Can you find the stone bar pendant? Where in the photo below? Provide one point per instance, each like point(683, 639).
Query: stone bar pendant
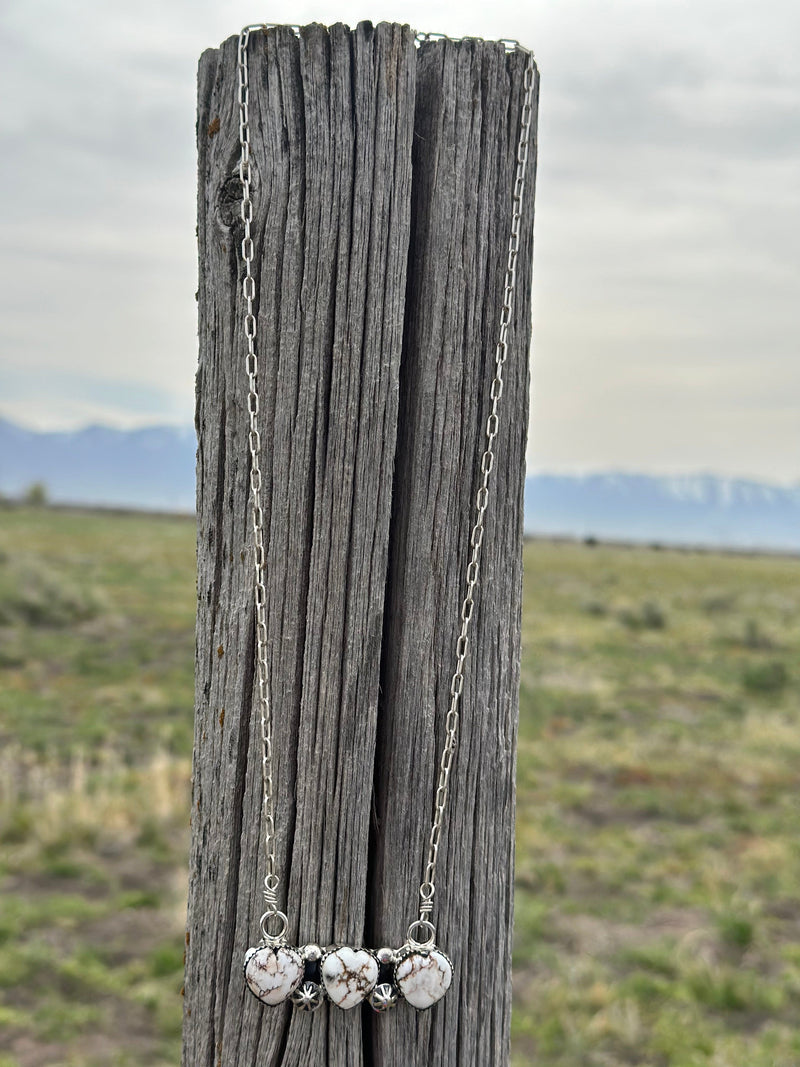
point(418, 972)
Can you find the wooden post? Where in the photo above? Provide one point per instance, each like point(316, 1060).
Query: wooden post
point(383, 175)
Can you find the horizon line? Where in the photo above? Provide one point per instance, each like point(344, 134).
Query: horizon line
point(532, 469)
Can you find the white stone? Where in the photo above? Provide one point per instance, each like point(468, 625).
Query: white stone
point(272, 974)
point(349, 975)
point(424, 977)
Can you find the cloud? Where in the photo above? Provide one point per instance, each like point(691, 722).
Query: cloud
point(667, 225)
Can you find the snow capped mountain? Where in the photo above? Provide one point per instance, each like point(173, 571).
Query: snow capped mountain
point(727, 492)
point(155, 467)
point(151, 467)
point(700, 509)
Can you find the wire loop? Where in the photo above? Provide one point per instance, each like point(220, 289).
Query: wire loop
point(273, 938)
point(421, 924)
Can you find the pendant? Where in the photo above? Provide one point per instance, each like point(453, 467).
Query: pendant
point(418, 972)
point(423, 976)
point(273, 972)
point(423, 972)
point(349, 975)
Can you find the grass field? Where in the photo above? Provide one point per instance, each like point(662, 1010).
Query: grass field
point(658, 855)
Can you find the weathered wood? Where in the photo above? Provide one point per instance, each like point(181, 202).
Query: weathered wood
point(466, 134)
point(371, 159)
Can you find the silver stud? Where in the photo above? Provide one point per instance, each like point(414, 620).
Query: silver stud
point(383, 997)
point(311, 953)
point(308, 997)
point(386, 955)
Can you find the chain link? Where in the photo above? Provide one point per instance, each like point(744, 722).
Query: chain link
point(271, 880)
point(510, 44)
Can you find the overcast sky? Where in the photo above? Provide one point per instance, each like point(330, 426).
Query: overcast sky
point(666, 280)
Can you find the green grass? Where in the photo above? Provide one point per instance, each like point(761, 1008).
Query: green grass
point(96, 613)
point(658, 866)
point(658, 858)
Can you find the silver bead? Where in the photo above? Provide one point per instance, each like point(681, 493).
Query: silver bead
point(385, 955)
point(308, 997)
point(383, 997)
point(311, 953)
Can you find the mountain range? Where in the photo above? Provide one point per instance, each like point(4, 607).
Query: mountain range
point(153, 468)
point(697, 509)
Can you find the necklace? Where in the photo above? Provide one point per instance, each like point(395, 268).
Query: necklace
point(418, 971)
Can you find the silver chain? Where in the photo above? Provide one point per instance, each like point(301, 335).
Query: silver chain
point(427, 888)
point(271, 880)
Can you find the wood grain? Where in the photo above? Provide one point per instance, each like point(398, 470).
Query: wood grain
point(382, 182)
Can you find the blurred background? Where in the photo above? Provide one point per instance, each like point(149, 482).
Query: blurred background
point(658, 864)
